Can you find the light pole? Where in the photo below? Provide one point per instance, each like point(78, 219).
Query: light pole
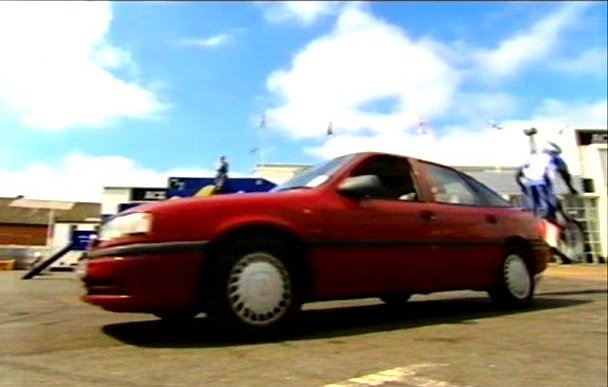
point(530, 133)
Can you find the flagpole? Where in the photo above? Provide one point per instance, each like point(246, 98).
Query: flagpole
point(262, 127)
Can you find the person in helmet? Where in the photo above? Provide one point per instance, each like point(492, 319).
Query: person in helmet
point(221, 176)
point(536, 179)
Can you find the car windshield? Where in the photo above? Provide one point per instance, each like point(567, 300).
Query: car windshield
point(315, 176)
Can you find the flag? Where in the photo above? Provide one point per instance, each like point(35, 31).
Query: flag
point(423, 127)
point(330, 129)
point(495, 125)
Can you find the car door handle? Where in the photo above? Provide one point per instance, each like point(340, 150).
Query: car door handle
point(492, 219)
point(428, 215)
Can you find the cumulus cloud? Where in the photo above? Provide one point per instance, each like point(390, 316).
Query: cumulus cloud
point(529, 46)
point(593, 61)
point(582, 114)
point(302, 12)
point(374, 84)
point(58, 73)
point(81, 178)
point(484, 145)
point(365, 75)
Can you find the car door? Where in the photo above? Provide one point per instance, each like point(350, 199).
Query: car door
point(473, 228)
point(383, 243)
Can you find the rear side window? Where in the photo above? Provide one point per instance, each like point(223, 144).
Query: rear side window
point(450, 187)
point(490, 197)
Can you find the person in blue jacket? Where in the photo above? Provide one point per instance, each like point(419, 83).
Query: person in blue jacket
point(536, 179)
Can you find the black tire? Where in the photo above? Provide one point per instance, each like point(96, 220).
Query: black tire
point(251, 288)
point(514, 286)
point(396, 300)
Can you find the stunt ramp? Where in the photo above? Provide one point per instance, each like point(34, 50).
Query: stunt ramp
point(37, 269)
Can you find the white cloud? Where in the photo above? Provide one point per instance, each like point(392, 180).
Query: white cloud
point(303, 12)
point(373, 82)
point(212, 41)
point(56, 62)
point(475, 146)
point(363, 62)
point(530, 46)
point(593, 61)
point(581, 114)
point(82, 178)
point(482, 106)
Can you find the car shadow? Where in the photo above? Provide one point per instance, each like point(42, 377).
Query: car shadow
point(332, 322)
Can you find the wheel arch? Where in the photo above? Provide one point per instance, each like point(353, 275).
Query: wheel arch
point(521, 244)
point(293, 242)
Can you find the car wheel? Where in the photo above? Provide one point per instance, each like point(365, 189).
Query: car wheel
point(515, 285)
point(396, 300)
point(251, 288)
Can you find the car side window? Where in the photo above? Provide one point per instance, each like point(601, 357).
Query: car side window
point(490, 197)
point(394, 174)
point(450, 187)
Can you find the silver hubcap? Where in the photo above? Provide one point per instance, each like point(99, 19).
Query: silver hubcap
point(517, 277)
point(259, 290)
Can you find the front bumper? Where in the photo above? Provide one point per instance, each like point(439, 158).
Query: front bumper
point(148, 278)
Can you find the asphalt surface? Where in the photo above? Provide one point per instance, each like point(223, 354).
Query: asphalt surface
point(48, 337)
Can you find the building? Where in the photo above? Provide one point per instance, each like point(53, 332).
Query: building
point(32, 228)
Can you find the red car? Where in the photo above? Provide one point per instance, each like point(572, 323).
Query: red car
point(360, 225)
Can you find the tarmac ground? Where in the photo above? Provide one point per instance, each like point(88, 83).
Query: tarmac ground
point(49, 337)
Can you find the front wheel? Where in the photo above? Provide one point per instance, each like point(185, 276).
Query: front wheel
point(514, 286)
point(251, 288)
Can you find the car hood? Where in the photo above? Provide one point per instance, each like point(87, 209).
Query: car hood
point(204, 218)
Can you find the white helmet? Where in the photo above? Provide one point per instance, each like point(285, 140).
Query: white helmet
point(551, 148)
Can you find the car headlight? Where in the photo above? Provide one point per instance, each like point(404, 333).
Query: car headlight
point(124, 225)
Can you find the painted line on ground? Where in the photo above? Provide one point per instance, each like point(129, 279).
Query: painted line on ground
point(406, 375)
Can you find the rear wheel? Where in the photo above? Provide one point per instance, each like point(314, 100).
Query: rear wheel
point(514, 286)
point(251, 288)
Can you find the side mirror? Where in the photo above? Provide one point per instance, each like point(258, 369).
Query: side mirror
point(359, 187)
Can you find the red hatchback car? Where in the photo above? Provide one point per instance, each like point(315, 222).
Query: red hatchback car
point(360, 225)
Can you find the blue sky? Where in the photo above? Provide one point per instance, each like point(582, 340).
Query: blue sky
point(96, 94)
